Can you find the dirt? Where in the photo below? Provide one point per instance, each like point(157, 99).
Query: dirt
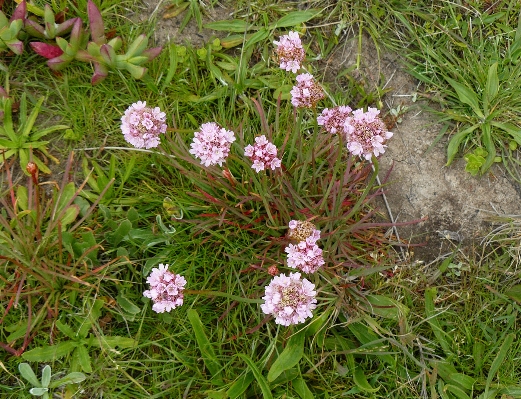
point(453, 206)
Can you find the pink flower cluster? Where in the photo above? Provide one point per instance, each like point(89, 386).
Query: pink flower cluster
point(166, 289)
point(289, 299)
point(290, 52)
point(306, 255)
point(364, 132)
point(307, 92)
point(142, 125)
point(263, 154)
point(211, 144)
point(334, 119)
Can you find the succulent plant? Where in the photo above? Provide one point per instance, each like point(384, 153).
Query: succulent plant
point(103, 54)
point(10, 28)
point(50, 28)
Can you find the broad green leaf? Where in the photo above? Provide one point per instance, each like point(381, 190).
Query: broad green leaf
point(8, 129)
point(205, 346)
point(386, 307)
point(294, 18)
point(70, 216)
point(506, 346)
point(256, 37)
point(263, 384)
point(240, 385)
point(66, 196)
point(302, 389)
point(492, 86)
point(27, 372)
point(370, 341)
point(44, 132)
point(289, 357)
point(361, 381)
point(50, 353)
point(510, 128)
point(231, 25)
point(462, 380)
point(466, 96)
point(127, 305)
point(456, 391)
point(46, 376)
point(455, 141)
point(514, 293)
point(71, 378)
point(65, 329)
point(22, 198)
point(432, 318)
point(82, 355)
point(317, 323)
point(121, 232)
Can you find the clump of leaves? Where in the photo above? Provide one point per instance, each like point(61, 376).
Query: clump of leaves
point(22, 140)
point(44, 386)
point(475, 160)
point(458, 57)
point(43, 256)
point(80, 341)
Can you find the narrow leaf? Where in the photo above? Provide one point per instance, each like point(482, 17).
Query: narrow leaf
point(263, 384)
point(455, 141)
point(456, 391)
point(432, 318)
point(241, 385)
point(289, 357)
point(71, 378)
point(500, 357)
point(232, 25)
point(492, 86)
point(466, 96)
point(514, 293)
point(361, 381)
point(302, 389)
point(210, 359)
point(295, 18)
point(82, 355)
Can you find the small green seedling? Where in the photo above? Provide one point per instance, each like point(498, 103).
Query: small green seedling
point(43, 387)
point(475, 160)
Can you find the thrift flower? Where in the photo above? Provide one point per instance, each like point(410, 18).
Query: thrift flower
point(142, 125)
point(289, 299)
point(366, 133)
point(290, 52)
point(300, 231)
point(166, 289)
point(211, 144)
point(263, 154)
point(305, 256)
point(333, 119)
point(307, 92)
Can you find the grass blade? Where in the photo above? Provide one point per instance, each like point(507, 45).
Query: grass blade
point(496, 364)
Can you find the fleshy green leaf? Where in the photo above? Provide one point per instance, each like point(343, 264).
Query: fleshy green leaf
point(514, 293)
point(455, 141)
point(492, 86)
point(71, 378)
point(295, 18)
point(361, 381)
point(232, 25)
point(49, 353)
point(302, 389)
point(240, 385)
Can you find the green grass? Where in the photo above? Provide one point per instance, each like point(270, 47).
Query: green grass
point(448, 329)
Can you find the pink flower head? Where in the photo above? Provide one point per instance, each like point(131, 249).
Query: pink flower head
point(366, 133)
point(166, 289)
point(263, 154)
point(211, 144)
point(289, 299)
point(305, 256)
point(142, 125)
point(290, 51)
point(333, 119)
point(300, 231)
point(307, 92)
